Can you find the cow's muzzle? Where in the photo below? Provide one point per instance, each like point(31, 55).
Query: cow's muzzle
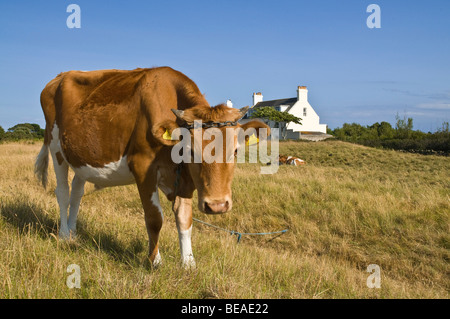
point(216, 206)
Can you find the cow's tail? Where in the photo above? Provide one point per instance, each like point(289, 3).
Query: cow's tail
point(41, 165)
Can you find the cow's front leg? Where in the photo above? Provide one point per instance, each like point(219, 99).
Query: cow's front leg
point(153, 220)
point(183, 218)
point(146, 182)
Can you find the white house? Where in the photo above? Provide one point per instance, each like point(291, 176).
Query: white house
point(297, 106)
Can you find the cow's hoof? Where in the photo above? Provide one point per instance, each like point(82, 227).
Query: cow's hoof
point(189, 262)
point(157, 262)
point(67, 235)
point(64, 234)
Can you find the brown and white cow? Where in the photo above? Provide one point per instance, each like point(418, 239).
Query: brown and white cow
point(109, 127)
point(290, 160)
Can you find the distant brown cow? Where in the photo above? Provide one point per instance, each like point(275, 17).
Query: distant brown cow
point(110, 127)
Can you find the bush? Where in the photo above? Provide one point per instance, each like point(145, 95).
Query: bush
point(402, 137)
point(23, 131)
point(2, 133)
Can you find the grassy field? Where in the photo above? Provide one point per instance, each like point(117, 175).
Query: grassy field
point(349, 207)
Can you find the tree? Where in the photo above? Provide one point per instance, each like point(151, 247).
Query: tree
point(2, 133)
point(385, 131)
point(25, 131)
point(403, 126)
point(444, 128)
point(282, 119)
point(402, 137)
point(350, 132)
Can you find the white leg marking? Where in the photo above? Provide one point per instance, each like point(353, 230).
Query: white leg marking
point(187, 257)
point(75, 199)
point(155, 201)
point(62, 195)
point(183, 218)
point(62, 186)
point(158, 260)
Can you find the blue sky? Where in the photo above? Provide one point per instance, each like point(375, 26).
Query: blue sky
point(234, 48)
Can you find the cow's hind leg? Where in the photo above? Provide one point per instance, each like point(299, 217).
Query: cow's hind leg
point(62, 193)
point(75, 198)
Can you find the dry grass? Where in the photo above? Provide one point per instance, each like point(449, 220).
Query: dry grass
point(349, 207)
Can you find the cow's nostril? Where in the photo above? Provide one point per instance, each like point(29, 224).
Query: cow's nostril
point(216, 207)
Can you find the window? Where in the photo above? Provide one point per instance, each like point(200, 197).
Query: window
point(304, 111)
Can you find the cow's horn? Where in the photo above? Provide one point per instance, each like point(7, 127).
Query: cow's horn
point(178, 113)
point(243, 111)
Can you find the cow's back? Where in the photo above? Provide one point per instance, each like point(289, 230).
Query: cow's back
point(96, 113)
point(99, 113)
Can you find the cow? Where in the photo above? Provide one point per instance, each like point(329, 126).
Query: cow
point(290, 160)
point(111, 126)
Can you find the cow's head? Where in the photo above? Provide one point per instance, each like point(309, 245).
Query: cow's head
point(211, 152)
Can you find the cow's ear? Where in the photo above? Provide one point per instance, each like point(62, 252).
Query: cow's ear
point(257, 125)
point(163, 132)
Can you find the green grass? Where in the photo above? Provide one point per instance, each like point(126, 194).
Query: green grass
point(348, 207)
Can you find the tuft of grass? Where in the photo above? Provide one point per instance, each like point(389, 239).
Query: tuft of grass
point(348, 207)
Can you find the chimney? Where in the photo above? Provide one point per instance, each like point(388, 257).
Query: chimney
point(257, 97)
point(229, 103)
point(302, 93)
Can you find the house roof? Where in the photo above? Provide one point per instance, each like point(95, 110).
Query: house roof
point(290, 102)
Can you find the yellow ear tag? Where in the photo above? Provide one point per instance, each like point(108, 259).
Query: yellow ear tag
point(252, 140)
point(167, 135)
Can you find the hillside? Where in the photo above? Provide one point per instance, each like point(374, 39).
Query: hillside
point(349, 207)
